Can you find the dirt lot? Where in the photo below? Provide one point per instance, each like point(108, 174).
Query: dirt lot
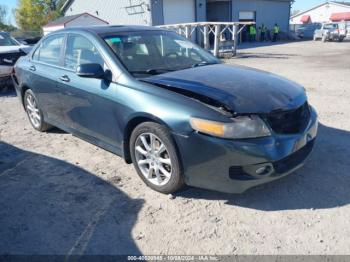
point(61, 195)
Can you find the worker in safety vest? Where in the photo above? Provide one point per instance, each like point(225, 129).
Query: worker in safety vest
point(263, 30)
point(276, 31)
point(252, 33)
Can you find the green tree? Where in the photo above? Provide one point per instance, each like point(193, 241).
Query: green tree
point(31, 15)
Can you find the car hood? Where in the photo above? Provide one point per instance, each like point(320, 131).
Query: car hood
point(242, 89)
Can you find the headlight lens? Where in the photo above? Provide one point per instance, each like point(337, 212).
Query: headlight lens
point(240, 127)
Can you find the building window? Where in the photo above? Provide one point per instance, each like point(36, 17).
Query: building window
point(247, 16)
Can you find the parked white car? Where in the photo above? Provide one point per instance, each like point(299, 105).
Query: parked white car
point(331, 32)
point(10, 51)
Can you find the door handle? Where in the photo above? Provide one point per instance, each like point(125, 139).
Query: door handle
point(32, 68)
point(64, 78)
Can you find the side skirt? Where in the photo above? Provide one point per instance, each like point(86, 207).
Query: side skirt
point(92, 140)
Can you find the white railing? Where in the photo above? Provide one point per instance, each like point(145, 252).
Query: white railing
point(217, 29)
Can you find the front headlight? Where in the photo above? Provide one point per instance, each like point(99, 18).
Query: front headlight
point(240, 127)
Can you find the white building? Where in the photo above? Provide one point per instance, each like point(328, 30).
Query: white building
point(328, 11)
point(82, 19)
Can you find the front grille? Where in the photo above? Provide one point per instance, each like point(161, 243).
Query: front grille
point(293, 160)
point(10, 59)
point(289, 121)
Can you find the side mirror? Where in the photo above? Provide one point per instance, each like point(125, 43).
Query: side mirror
point(90, 71)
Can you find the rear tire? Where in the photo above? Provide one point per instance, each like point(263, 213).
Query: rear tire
point(34, 112)
point(155, 158)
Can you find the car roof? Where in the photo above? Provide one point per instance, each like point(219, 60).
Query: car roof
point(109, 29)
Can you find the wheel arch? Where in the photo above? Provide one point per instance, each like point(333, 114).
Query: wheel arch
point(24, 88)
point(132, 124)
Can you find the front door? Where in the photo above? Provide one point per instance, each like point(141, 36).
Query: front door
point(88, 105)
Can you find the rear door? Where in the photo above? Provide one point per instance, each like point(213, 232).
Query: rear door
point(45, 68)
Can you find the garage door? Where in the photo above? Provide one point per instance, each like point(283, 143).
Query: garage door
point(178, 11)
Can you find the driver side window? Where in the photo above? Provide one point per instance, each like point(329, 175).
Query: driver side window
point(79, 51)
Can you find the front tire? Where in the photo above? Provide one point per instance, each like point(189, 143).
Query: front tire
point(155, 157)
point(324, 38)
point(34, 113)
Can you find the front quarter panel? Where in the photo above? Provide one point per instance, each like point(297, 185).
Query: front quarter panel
point(167, 107)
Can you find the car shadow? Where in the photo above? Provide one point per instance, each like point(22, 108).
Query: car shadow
point(7, 92)
point(51, 207)
point(322, 183)
point(56, 130)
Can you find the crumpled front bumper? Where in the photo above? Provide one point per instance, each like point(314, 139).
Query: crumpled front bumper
point(233, 166)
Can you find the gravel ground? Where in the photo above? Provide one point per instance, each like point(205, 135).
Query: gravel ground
point(61, 195)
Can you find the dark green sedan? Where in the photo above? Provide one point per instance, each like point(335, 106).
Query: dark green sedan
point(167, 106)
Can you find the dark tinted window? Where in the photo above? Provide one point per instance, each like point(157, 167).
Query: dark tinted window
point(80, 50)
point(50, 50)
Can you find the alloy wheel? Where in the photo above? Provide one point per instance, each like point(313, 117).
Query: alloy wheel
point(33, 111)
point(153, 159)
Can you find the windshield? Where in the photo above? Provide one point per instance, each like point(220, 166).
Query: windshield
point(156, 52)
point(330, 26)
point(6, 40)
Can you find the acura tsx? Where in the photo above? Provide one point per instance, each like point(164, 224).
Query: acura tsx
point(167, 106)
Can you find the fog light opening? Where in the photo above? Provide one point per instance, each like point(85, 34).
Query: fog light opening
point(264, 170)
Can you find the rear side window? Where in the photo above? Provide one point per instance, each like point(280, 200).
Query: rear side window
point(80, 50)
point(50, 50)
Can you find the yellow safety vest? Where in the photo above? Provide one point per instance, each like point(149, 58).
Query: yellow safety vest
point(276, 29)
point(252, 30)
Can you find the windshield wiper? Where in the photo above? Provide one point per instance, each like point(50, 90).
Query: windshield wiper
point(152, 71)
point(157, 71)
point(204, 64)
